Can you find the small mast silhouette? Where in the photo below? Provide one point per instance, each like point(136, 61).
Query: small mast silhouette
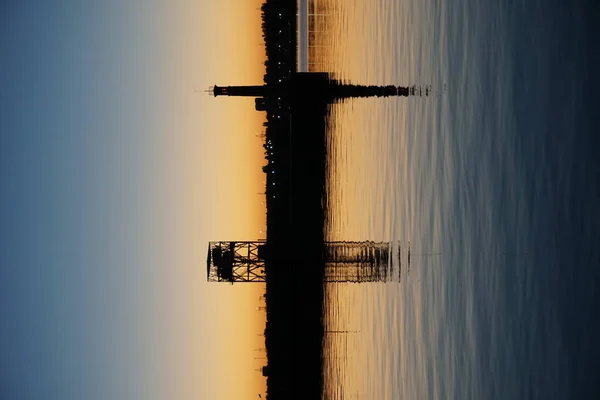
point(318, 85)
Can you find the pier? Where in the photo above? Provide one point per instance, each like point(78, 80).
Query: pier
point(295, 261)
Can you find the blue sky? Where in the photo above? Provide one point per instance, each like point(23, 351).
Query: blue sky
point(70, 108)
point(94, 291)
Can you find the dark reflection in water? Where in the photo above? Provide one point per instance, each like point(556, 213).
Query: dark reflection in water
point(360, 261)
point(498, 175)
point(341, 91)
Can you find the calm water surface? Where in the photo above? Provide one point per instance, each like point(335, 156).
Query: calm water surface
point(491, 179)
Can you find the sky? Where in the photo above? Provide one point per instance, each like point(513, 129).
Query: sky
point(115, 173)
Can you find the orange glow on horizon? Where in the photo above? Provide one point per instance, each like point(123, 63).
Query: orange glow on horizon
point(217, 177)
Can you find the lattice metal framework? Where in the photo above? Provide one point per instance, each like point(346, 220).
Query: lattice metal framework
point(344, 261)
point(236, 261)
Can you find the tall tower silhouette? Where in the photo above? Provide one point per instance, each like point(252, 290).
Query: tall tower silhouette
point(243, 91)
point(246, 261)
point(318, 85)
point(237, 261)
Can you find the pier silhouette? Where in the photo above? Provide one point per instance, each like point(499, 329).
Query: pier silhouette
point(295, 262)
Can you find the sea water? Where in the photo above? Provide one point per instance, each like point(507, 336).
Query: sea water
point(491, 182)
